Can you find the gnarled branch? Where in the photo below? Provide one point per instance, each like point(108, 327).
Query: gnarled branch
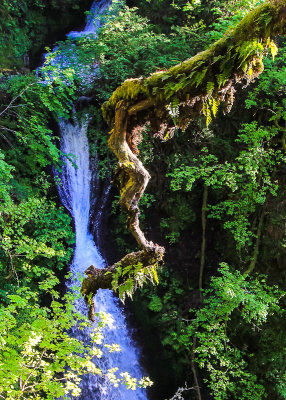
point(102, 278)
point(171, 99)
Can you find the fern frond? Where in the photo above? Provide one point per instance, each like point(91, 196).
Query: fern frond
point(200, 76)
point(210, 87)
point(215, 105)
point(273, 48)
point(207, 111)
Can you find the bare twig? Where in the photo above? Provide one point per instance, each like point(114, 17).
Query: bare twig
point(178, 395)
point(36, 366)
point(16, 98)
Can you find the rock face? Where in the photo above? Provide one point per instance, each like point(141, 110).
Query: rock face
point(99, 198)
point(171, 99)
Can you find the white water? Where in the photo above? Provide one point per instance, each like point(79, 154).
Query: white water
point(59, 62)
point(75, 195)
point(93, 20)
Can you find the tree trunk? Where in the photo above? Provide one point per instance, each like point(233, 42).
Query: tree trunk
point(203, 245)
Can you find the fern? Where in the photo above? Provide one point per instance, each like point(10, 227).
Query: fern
point(128, 279)
point(207, 111)
point(209, 116)
point(210, 87)
point(175, 102)
point(222, 78)
point(200, 76)
point(204, 108)
point(244, 66)
point(250, 50)
point(155, 275)
point(217, 58)
point(215, 105)
point(219, 79)
point(273, 48)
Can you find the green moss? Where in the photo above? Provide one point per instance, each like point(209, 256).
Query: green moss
point(235, 56)
point(129, 90)
point(199, 69)
point(256, 24)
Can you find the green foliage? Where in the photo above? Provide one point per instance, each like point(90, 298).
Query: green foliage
point(241, 158)
point(217, 333)
point(36, 240)
point(6, 177)
point(165, 301)
point(24, 117)
point(247, 180)
point(209, 18)
point(28, 251)
point(36, 349)
point(228, 15)
point(98, 147)
point(127, 279)
point(242, 170)
point(146, 203)
point(126, 47)
point(39, 359)
point(26, 25)
point(268, 97)
point(155, 304)
point(180, 216)
point(270, 355)
point(225, 363)
point(228, 61)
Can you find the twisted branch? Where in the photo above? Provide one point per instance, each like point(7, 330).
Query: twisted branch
point(171, 99)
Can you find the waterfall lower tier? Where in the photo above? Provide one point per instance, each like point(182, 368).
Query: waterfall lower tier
point(75, 194)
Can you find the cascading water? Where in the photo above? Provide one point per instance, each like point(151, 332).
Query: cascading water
point(74, 192)
point(93, 22)
point(75, 195)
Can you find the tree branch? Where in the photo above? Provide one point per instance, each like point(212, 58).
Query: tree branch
point(194, 87)
point(15, 98)
point(35, 367)
point(102, 278)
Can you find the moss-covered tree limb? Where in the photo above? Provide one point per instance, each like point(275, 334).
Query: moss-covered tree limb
point(171, 99)
point(213, 72)
point(102, 278)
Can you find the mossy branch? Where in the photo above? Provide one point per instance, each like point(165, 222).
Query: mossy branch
point(189, 89)
point(214, 72)
point(103, 278)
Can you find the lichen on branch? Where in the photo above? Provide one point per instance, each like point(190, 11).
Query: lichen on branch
point(171, 99)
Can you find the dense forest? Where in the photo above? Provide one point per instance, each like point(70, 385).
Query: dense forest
point(183, 105)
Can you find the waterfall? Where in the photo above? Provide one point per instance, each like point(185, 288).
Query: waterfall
point(75, 194)
point(93, 21)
